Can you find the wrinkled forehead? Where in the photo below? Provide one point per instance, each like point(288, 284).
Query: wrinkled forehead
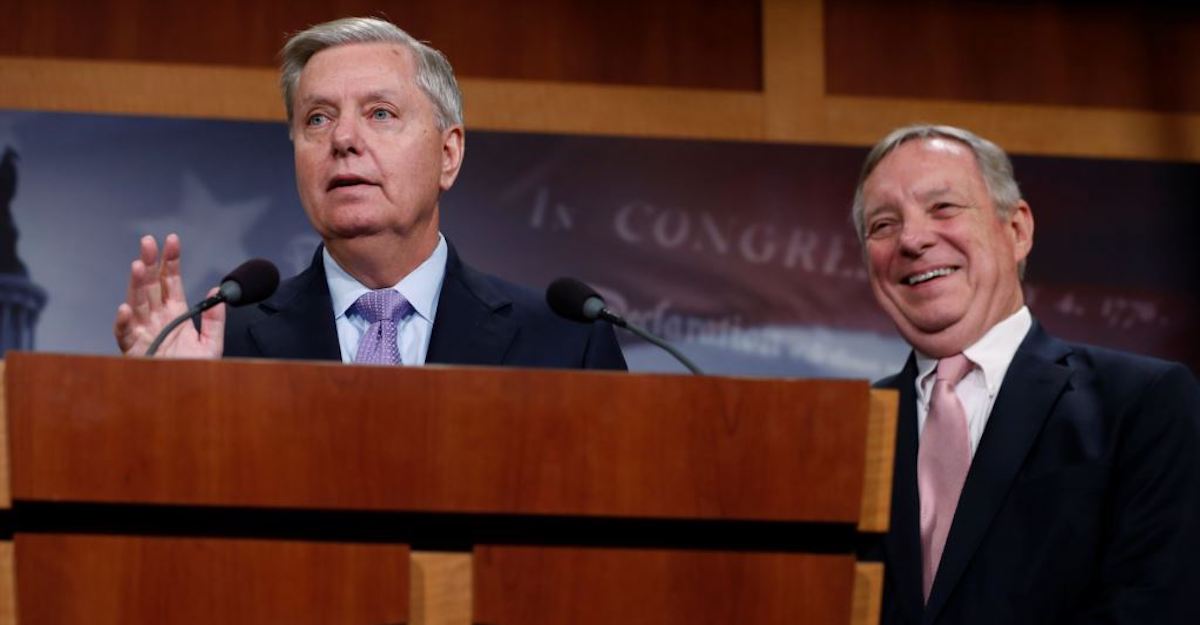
point(366, 65)
point(923, 168)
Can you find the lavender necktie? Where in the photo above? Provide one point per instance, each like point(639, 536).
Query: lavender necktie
point(942, 463)
point(382, 309)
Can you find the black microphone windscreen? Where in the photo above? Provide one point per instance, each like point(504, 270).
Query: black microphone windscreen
point(567, 296)
point(258, 279)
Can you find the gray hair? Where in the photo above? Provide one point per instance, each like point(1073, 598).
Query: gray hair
point(434, 75)
point(993, 164)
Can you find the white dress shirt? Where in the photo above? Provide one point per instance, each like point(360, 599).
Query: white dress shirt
point(991, 356)
point(421, 288)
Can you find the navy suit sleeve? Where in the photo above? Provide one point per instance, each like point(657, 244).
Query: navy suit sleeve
point(1148, 569)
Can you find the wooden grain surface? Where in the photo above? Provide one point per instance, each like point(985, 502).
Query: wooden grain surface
point(8, 591)
point(8, 594)
point(1092, 54)
point(441, 588)
point(868, 593)
point(119, 580)
point(552, 586)
point(5, 492)
point(880, 459)
point(796, 103)
point(680, 43)
point(247, 433)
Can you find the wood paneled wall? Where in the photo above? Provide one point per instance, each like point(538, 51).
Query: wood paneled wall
point(1099, 79)
point(1092, 54)
point(674, 43)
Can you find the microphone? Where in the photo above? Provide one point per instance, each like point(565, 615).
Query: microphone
point(251, 282)
point(577, 301)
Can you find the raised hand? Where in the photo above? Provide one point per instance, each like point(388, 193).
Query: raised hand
point(155, 297)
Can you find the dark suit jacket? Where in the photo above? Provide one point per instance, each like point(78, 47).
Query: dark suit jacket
point(1081, 503)
point(481, 320)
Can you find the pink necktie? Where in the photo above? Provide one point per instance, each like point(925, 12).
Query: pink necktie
point(942, 463)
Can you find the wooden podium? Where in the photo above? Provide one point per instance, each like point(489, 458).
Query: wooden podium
point(186, 492)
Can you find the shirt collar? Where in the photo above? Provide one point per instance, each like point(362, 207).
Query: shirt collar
point(992, 353)
point(420, 287)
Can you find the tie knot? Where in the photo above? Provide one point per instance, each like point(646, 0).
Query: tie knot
point(383, 304)
point(952, 369)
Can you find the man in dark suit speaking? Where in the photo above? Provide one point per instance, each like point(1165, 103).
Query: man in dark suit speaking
point(1036, 481)
point(375, 119)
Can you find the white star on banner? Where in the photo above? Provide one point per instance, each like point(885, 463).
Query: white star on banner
point(211, 233)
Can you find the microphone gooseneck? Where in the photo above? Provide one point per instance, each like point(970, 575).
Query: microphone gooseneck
point(575, 300)
point(251, 282)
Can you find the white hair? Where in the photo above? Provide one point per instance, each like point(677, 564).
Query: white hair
point(994, 166)
point(434, 76)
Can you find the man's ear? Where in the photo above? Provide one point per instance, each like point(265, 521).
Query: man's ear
point(1020, 228)
point(453, 146)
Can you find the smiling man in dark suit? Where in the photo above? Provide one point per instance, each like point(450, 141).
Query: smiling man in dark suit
point(375, 119)
point(1036, 481)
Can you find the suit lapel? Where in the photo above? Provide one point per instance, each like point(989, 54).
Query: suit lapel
point(1028, 393)
point(471, 326)
point(299, 322)
point(903, 541)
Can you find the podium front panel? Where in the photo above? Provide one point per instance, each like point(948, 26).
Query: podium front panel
point(553, 586)
point(432, 439)
point(123, 580)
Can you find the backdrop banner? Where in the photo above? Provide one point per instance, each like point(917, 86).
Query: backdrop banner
point(742, 254)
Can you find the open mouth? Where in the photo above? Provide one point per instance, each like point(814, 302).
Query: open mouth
point(339, 182)
point(926, 276)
